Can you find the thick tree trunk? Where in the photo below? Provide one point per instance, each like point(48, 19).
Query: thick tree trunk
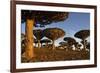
point(29, 50)
point(84, 45)
point(39, 44)
point(47, 44)
point(53, 45)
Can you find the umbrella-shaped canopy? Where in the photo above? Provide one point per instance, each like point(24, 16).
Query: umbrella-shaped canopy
point(70, 40)
point(45, 41)
point(43, 17)
point(53, 33)
point(82, 34)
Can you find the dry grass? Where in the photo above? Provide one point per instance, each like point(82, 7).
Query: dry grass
point(45, 54)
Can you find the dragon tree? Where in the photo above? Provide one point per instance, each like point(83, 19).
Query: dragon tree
point(31, 18)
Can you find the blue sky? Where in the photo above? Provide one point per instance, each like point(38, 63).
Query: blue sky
point(75, 22)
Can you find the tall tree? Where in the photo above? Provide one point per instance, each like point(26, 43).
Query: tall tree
point(39, 35)
point(71, 41)
point(76, 45)
point(83, 34)
point(53, 34)
point(32, 18)
point(64, 45)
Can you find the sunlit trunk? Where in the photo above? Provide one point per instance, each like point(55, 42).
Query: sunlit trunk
point(29, 50)
point(39, 44)
point(53, 45)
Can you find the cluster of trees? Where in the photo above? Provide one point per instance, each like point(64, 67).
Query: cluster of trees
point(83, 35)
point(32, 18)
point(55, 33)
point(51, 33)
